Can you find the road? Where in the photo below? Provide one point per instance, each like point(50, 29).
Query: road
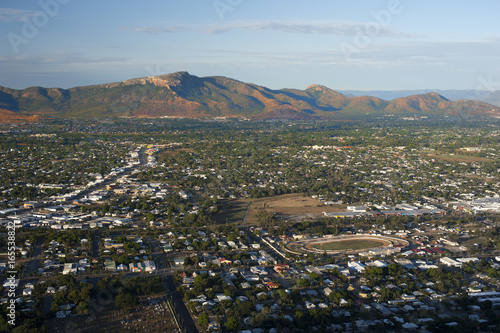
point(32, 265)
point(46, 304)
point(95, 246)
point(86, 192)
point(246, 213)
point(178, 303)
point(112, 179)
point(183, 314)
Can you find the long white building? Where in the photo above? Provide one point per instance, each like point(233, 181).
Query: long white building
point(450, 262)
point(357, 266)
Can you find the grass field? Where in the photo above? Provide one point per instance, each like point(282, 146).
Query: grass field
point(352, 244)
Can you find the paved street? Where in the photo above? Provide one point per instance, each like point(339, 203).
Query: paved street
point(179, 306)
point(33, 263)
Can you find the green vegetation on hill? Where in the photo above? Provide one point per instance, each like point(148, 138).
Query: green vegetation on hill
point(184, 95)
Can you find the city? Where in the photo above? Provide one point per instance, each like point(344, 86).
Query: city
point(232, 166)
point(251, 226)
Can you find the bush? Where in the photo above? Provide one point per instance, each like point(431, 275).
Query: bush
point(125, 300)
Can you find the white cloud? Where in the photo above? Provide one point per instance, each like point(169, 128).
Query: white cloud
point(402, 54)
point(341, 28)
point(494, 39)
point(56, 61)
point(14, 14)
point(152, 30)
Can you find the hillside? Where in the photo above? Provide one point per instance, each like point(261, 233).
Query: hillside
point(183, 95)
point(490, 97)
point(7, 116)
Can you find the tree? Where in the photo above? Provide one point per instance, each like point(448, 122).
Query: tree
point(203, 320)
point(486, 305)
point(303, 282)
point(244, 308)
point(313, 276)
point(232, 324)
point(81, 308)
point(125, 300)
point(265, 218)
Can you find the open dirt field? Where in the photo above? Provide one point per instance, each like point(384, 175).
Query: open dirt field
point(296, 204)
point(460, 158)
point(285, 205)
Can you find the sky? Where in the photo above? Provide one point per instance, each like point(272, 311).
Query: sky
point(359, 45)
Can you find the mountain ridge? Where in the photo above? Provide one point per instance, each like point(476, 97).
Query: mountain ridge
point(181, 94)
point(491, 97)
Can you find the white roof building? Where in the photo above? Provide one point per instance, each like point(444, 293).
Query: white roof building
point(70, 268)
point(357, 266)
point(450, 262)
point(149, 265)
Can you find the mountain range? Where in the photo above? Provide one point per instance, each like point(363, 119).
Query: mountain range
point(184, 95)
point(492, 97)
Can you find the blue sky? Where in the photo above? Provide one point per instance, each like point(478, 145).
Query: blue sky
point(365, 44)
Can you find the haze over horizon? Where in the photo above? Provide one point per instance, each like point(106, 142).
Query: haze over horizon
point(363, 45)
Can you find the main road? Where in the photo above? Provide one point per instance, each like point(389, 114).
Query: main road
point(167, 273)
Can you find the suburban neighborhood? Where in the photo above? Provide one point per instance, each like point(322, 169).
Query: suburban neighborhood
point(251, 227)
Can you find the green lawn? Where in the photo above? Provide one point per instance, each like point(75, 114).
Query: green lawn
point(348, 245)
